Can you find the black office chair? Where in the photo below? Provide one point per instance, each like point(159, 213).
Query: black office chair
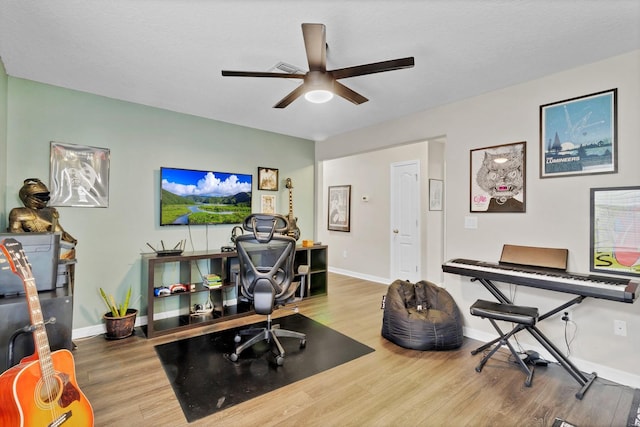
point(266, 258)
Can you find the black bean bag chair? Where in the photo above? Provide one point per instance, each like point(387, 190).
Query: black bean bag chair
point(421, 316)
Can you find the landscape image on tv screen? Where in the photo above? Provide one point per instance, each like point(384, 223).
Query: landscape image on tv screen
point(197, 197)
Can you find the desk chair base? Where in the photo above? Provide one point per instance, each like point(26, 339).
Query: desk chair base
point(270, 333)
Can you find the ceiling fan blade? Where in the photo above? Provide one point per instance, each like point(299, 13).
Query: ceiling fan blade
point(375, 67)
point(292, 96)
point(348, 94)
point(315, 43)
point(227, 73)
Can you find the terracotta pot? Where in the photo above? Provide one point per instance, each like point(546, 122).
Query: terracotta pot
point(120, 327)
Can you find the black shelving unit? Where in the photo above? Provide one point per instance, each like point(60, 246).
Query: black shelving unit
point(170, 313)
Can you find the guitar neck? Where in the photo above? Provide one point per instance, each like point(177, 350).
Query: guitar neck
point(14, 253)
point(294, 231)
point(40, 339)
point(290, 205)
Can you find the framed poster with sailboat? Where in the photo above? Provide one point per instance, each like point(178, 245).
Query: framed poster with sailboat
point(578, 136)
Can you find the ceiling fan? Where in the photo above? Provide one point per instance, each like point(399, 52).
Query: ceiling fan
point(319, 84)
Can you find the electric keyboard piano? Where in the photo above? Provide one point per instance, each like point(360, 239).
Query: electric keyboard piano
point(587, 285)
point(544, 268)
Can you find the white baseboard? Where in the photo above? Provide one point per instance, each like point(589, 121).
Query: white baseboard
point(383, 280)
point(91, 331)
point(602, 371)
point(605, 372)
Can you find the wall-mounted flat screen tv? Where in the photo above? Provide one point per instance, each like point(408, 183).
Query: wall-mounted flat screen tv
point(195, 197)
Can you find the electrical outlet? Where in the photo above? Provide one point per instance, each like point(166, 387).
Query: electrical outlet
point(344, 253)
point(620, 328)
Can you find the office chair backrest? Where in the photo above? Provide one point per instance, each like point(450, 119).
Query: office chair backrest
point(264, 226)
point(266, 261)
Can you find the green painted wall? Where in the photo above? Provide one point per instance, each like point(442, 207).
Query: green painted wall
point(3, 143)
point(140, 139)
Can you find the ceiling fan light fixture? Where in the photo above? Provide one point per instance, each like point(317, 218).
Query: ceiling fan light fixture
point(319, 87)
point(318, 96)
point(319, 84)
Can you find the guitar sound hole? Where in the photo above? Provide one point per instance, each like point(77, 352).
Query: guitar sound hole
point(49, 390)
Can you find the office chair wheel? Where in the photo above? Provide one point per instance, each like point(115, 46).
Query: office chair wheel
point(303, 343)
point(233, 357)
point(237, 338)
point(279, 360)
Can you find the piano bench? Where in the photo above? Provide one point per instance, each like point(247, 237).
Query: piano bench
point(507, 312)
point(521, 316)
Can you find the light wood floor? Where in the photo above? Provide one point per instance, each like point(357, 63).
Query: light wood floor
point(392, 386)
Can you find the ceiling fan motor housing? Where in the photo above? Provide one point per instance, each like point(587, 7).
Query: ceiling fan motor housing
point(318, 80)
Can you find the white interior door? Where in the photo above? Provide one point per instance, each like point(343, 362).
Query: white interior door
point(405, 220)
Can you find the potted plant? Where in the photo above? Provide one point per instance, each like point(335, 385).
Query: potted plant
point(120, 319)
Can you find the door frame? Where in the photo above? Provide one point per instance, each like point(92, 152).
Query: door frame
point(392, 218)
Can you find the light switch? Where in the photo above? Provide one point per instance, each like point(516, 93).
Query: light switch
point(471, 222)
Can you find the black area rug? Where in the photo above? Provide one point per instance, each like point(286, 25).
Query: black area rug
point(205, 381)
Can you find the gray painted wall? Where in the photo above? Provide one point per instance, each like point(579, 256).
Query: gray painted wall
point(557, 208)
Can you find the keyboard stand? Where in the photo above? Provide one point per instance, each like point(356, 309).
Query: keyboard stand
point(585, 381)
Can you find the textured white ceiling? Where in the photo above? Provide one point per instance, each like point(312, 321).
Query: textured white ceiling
point(169, 53)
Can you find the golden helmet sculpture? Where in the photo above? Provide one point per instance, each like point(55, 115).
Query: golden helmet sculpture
point(34, 194)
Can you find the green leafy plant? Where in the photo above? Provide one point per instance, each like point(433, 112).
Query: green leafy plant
point(117, 310)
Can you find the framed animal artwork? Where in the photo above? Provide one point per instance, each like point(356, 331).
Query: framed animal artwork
point(498, 178)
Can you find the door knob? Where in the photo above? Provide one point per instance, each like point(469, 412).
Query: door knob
point(395, 230)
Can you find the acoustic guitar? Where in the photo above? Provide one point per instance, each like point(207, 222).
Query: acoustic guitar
point(42, 389)
point(294, 231)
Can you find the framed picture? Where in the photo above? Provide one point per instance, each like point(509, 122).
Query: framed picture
point(267, 179)
point(339, 208)
point(268, 204)
point(79, 176)
point(498, 178)
point(578, 136)
point(435, 194)
point(615, 230)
